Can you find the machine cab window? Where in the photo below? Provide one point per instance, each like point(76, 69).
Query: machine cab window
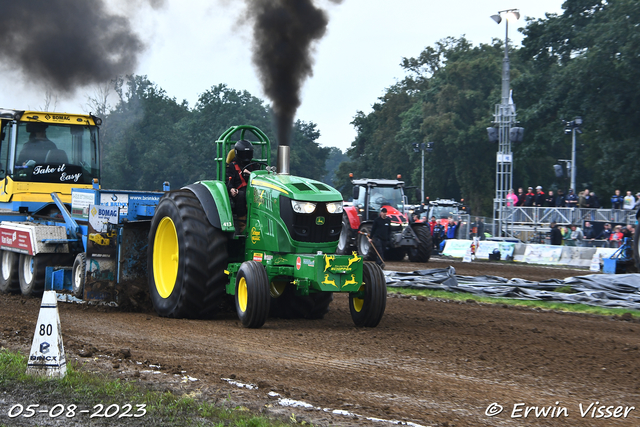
point(56, 153)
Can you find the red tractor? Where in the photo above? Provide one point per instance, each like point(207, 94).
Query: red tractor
point(369, 196)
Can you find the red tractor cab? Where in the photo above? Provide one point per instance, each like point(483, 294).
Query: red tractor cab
point(369, 196)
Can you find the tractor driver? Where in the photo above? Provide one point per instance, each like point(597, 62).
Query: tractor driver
point(38, 145)
point(238, 171)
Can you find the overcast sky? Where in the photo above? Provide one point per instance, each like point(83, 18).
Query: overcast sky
point(194, 45)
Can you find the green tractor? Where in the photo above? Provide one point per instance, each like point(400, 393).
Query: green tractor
point(282, 264)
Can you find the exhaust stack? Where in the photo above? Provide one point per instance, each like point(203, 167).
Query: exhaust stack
point(283, 159)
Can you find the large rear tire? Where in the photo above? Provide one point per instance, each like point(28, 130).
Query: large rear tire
point(364, 246)
point(292, 306)
point(252, 294)
point(345, 246)
point(422, 252)
point(368, 311)
point(187, 257)
point(9, 280)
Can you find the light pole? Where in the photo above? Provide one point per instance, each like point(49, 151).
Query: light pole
point(572, 128)
point(504, 117)
point(422, 146)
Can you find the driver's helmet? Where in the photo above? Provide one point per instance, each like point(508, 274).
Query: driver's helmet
point(244, 152)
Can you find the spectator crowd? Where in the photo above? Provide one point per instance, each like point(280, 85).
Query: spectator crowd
point(584, 199)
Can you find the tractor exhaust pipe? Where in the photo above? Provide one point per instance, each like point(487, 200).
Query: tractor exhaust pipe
point(283, 159)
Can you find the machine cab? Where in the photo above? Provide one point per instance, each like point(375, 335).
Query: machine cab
point(46, 152)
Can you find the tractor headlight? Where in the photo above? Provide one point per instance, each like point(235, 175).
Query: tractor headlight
point(334, 207)
point(303, 207)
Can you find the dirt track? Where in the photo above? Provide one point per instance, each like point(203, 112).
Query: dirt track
point(434, 363)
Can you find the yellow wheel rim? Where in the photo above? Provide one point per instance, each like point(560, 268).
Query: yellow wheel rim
point(358, 303)
point(165, 257)
point(243, 294)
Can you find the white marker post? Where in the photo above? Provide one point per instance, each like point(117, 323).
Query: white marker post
point(595, 263)
point(47, 352)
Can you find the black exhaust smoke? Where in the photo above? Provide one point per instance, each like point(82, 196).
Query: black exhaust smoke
point(284, 31)
point(65, 44)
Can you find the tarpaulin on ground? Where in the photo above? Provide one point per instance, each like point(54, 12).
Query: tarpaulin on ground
point(603, 290)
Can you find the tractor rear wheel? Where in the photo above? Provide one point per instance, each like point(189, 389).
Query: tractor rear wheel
point(292, 306)
point(344, 243)
point(252, 294)
point(9, 280)
point(186, 259)
point(367, 310)
point(422, 252)
point(364, 246)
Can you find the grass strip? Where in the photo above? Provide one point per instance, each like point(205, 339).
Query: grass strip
point(546, 305)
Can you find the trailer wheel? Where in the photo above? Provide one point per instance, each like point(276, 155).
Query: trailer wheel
point(364, 247)
point(9, 280)
point(78, 275)
point(344, 243)
point(186, 259)
point(252, 294)
point(368, 310)
point(422, 252)
point(292, 306)
point(31, 271)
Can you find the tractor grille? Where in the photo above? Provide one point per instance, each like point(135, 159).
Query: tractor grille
point(307, 227)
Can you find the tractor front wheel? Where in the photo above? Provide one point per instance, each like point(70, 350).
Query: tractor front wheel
point(252, 294)
point(367, 306)
point(187, 257)
point(9, 280)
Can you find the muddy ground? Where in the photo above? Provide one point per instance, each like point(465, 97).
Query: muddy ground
point(429, 362)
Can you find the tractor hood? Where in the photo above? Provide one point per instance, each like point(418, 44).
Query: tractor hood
point(295, 187)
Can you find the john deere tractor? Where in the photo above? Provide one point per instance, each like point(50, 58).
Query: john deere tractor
point(282, 263)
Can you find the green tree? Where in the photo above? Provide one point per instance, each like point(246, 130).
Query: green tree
point(144, 144)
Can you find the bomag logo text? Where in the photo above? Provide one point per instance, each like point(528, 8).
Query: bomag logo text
point(61, 118)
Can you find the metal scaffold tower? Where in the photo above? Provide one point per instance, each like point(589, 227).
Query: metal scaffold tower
point(504, 119)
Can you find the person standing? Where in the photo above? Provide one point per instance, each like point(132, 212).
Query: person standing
point(629, 201)
point(540, 197)
point(521, 197)
point(560, 200)
point(576, 236)
point(589, 232)
point(512, 199)
point(556, 235)
point(550, 200)
point(616, 200)
point(529, 198)
point(380, 234)
point(572, 199)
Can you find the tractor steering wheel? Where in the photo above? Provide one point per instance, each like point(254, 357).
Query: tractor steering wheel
point(381, 201)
